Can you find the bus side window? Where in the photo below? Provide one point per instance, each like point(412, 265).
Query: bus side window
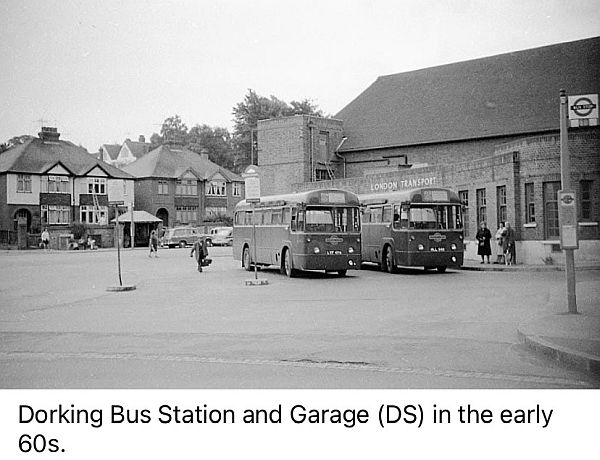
point(366, 215)
point(397, 211)
point(286, 216)
point(404, 217)
point(300, 221)
point(387, 214)
point(376, 214)
point(293, 220)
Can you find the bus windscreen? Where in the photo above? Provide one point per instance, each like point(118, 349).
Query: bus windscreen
point(332, 220)
point(435, 217)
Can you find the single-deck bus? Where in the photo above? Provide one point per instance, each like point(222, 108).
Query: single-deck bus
point(315, 230)
point(421, 228)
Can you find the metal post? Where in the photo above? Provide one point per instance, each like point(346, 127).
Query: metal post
point(565, 174)
point(132, 230)
point(254, 240)
point(118, 245)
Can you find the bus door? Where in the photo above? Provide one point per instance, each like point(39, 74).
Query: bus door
point(377, 232)
point(400, 233)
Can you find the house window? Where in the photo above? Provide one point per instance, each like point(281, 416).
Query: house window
point(56, 215)
point(551, 209)
point(322, 174)
point(216, 188)
point(464, 198)
point(93, 215)
point(163, 187)
point(186, 214)
point(481, 205)
point(529, 204)
point(24, 183)
point(97, 185)
point(55, 184)
point(213, 211)
point(187, 187)
point(586, 199)
point(237, 189)
point(501, 203)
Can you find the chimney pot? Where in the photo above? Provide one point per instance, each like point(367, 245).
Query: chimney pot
point(142, 138)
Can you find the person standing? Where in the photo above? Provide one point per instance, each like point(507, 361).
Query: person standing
point(45, 239)
point(483, 237)
point(500, 242)
point(153, 244)
point(509, 241)
point(200, 249)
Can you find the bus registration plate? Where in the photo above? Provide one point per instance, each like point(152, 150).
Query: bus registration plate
point(437, 249)
point(334, 252)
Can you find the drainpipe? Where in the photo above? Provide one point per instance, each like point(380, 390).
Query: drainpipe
point(344, 139)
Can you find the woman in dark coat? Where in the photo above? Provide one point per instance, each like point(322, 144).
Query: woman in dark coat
point(483, 238)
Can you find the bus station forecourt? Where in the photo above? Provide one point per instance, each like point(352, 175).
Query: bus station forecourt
point(184, 329)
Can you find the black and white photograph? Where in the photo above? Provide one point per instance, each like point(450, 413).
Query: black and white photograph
point(316, 195)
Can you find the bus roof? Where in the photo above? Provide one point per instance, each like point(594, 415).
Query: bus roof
point(328, 197)
point(419, 195)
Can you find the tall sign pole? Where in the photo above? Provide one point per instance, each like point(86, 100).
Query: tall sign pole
point(252, 192)
point(567, 208)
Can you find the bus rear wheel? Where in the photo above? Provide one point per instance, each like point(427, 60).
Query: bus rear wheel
point(388, 264)
point(441, 269)
point(246, 259)
point(286, 265)
point(342, 272)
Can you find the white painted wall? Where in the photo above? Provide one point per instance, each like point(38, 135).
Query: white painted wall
point(22, 198)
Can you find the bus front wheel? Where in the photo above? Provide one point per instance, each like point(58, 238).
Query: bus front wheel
point(441, 269)
point(342, 272)
point(246, 259)
point(286, 265)
point(388, 264)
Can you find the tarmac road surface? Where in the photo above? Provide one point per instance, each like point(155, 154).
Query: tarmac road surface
point(60, 328)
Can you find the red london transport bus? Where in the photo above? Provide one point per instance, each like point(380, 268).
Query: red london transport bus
point(315, 230)
point(413, 228)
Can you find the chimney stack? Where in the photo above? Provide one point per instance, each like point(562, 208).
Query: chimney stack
point(49, 134)
point(142, 138)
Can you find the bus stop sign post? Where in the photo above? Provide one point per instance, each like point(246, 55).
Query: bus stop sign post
point(120, 287)
point(567, 209)
point(252, 192)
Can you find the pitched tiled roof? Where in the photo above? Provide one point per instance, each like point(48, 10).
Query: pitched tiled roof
point(137, 149)
point(112, 150)
point(36, 157)
point(500, 95)
point(164, 162)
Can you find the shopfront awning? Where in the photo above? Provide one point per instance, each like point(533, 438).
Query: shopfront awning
point(139, 217)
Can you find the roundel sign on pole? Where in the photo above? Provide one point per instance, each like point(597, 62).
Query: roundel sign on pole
point(252, 184)
point(583, 107)
point(567, 219)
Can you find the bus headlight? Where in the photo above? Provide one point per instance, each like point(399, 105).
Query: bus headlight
point(350, 250)
point(421, 247)
point(316, 250)
point(453, 247)
point(308, 239)
point(453, 259)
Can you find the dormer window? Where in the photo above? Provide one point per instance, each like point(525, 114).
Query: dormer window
point(55, 184)
point(97, 185)
point(216, 188)
point(187, 187)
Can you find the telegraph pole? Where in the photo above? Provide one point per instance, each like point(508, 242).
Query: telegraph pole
point(567, 207)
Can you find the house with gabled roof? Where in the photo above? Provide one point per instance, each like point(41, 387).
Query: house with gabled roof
point(109, 153)
point(51, 183)
point(182, 187)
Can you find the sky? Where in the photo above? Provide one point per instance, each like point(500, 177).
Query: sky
point(103, 71)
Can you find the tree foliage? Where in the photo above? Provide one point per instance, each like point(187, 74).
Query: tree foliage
point(255, 107)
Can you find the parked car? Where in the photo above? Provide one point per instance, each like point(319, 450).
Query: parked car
point(221, 236)
point(180, 236)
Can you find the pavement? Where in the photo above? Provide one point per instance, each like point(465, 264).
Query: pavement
point(571, 339)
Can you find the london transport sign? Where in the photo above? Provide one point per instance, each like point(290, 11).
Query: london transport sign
point(567, 218)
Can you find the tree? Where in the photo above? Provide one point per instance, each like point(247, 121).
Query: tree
point(255, 107)
point(214, 141)
point(173, 129)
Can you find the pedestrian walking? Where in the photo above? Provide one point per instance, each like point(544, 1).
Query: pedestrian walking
point(153, 244)
point(45, 240)
point(200, 250)
point(483, 238)
point(510, 252)
point(499, 242)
